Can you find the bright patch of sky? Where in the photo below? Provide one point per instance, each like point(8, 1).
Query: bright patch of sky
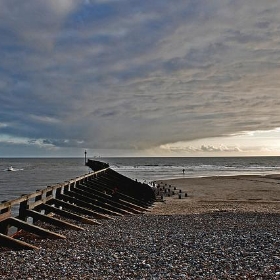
point(261, 143)
point(138, 78)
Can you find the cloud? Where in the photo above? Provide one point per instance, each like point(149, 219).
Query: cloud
point(263, 142)
point(123, 75)
point(34, 22)
point(198, 149)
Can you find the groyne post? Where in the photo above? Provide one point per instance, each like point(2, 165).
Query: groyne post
point(37, 199)
point(23, 206)
point(4, 214)
point(58, 193)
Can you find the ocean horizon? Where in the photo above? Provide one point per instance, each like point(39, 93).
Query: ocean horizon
point(36, 173)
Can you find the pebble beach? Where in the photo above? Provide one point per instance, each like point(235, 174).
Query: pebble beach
point(219, 240)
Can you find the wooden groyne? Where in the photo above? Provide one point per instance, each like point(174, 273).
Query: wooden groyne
point(101, 194)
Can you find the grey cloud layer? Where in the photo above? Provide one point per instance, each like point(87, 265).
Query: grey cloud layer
point(137, 74)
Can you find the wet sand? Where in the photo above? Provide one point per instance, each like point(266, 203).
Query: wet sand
point(249, 193)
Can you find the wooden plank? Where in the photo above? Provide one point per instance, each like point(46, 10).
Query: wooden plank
point(4, 205)
point(33, 205)
point(121, 201)
point(98, 202)
point(25, 197)
point(90, 187)
point(135, 206)
point(106, 199)
point(68, 214)
point(91, 206)
point(106, 186)
point(9, 242)
point(4, 216)
point(33, 229)
point(91, 192)
point(78, 209)
point(52, 220)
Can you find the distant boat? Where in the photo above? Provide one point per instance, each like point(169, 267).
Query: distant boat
point(10, 169)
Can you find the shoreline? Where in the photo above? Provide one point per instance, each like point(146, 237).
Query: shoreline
point(241, 193)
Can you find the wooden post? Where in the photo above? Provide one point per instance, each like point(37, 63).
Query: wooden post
point(4, 228)
point(58, 193)
point(37, 198)
point(66, 187)
point(4, 214)
point(49, 194)
point(77, 183)
point(72, 186)
point(23, 206)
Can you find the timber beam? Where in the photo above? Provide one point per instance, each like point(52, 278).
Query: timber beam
point(9, 242)
point(91, 188)
point(67, 214)
point(104, 205)
point(137, 209)
point(52, 220)
point(90, 192)
point(106, 186)
point(33, 229)
point(84, 204)
point(77, 209)
point(135, 206)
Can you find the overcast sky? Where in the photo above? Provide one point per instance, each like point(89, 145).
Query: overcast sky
point(150, 78)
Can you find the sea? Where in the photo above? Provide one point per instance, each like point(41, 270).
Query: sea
point(31, 174)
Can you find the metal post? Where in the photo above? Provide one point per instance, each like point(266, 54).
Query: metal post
point(85, 157)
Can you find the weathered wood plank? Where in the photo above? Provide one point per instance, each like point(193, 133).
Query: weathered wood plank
point(26, 197)
point(52, 220)
point(135, 206)
point(33, 229)
point(33, 205)
point(91, 206)
point(4, 216)
point(97, 202)
point(68, 214)
point(91, 192)
point(9, 242)
point(92, 187)
point(78, 209)
point(16, 201)
point(106, 186)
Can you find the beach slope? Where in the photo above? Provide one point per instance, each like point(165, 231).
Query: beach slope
point(251, 193)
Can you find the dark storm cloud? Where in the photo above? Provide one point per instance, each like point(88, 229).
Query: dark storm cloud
point(137, 74)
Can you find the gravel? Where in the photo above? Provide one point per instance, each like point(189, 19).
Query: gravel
point(219, 245)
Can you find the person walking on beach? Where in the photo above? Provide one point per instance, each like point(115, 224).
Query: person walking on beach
point(183, 171)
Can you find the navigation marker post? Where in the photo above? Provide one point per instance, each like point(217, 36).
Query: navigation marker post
point(85, 157)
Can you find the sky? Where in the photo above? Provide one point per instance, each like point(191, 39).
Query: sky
point(139, 78)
